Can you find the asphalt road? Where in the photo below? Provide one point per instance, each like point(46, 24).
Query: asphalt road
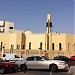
point(44, 72)
point(36, 72)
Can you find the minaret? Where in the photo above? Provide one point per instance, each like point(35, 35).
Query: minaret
point(49, 35)
point(48, 23)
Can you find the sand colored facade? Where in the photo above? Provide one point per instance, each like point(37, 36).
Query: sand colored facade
point(28, 43)
point(6, 27)
point(20, 41)
point(15, 40)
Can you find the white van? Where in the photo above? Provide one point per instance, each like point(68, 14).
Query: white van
point(11, 57)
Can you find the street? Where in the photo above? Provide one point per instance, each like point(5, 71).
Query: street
point(42, 72)
point(39, 73)
point(36, 73)
point(45, 72)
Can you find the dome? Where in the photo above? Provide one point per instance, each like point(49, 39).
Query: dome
point(28, 32)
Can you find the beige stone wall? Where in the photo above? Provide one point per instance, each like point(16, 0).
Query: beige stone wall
point(25, 53)
point(70, 43)
point(35, 40)
point(19, 38)
point(59, 38)
point(5, 39)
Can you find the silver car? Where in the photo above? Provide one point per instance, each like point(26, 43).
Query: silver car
point(42, 62)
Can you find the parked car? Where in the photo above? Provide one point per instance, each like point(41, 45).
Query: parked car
point(72, 58)
point(11, 57)
point(7, 66)
point(42, 62)
point(63, 58)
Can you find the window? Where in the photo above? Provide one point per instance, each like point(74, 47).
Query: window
point(68, 47)
point(18, 47)
point(17, 56)
point(73, 56)
point(60, 46)
point(23, 47)
point(41, 45)
point(46, 58)
point(10, 27)
point(38, 58)
point(2, 30)
point(12, 46)
point(30, 59)
point(1, 46)
point(29, 45)
point(52, 46)
point(1, 60)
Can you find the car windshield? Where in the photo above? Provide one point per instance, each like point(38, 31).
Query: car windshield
point(17, 56)
point(73, 56)
point(46, 58)
point(64, 57)
point(1, 60)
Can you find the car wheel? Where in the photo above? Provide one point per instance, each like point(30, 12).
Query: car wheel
point(23, 67)
point(2, 70)
point(53, 68)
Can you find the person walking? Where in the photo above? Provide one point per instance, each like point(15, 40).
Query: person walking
point(24, 68)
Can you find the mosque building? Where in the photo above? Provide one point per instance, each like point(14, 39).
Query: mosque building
point(26, 43)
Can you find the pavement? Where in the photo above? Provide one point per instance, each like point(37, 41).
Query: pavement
point(37, 72)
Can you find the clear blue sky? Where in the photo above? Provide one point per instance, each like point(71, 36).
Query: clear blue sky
point(31, 14)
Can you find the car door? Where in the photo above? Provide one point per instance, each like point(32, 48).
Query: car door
point(30, 62)
point(40, 63)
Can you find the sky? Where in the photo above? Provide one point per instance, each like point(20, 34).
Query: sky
point(32, 14)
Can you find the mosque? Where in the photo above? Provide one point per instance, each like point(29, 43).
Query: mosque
point(27, 43)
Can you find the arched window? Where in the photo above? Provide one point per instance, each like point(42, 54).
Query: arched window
point(41, 45)
point(29, 45)
point(12, 46)
point(52, 46)
point(68, 47)
point(60, 46)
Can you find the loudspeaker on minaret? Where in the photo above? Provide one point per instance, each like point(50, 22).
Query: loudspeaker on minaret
point(48, 23)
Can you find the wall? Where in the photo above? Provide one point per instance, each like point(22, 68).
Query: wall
point(59, 38)
point(35, 40)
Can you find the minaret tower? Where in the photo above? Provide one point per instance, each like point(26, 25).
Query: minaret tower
point(48, 23)
point(49, 35)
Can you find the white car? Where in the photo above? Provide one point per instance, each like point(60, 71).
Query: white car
point(42, 62)
point(11, 57)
